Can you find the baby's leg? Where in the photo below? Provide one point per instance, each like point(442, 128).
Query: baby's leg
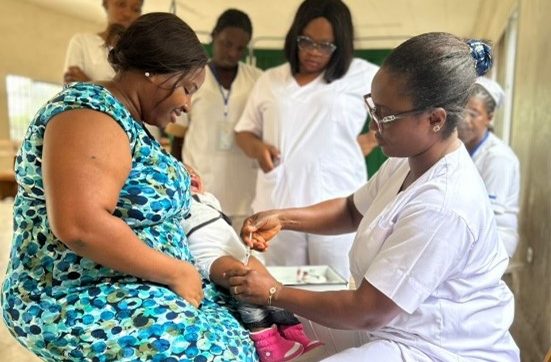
point(254, 317)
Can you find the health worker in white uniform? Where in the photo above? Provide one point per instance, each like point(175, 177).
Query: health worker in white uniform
point(497, 163)
point(209, 145)
point(87, 53)
point(301, 123)
point(86, 57)
point(426, 262)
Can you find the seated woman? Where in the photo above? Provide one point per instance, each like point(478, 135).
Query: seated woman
point(497, 163)
point(100, 268)
point(427, 258)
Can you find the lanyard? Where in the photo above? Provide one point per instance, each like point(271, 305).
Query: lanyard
point(225, 94)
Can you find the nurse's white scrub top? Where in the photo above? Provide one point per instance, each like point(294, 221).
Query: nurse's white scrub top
point(209, 145)
point(499, 167)
point(434, 250)
point(315, 128)
point(89, 53)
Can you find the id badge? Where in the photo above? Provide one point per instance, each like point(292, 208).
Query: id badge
point(225, 136)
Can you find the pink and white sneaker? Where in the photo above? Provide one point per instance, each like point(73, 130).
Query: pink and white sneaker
point(272, 347)
point(296, 333)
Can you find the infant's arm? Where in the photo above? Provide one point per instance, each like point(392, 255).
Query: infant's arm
point(225, 263)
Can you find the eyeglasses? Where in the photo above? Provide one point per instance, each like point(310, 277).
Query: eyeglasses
point(372, 109)
point(306, 43)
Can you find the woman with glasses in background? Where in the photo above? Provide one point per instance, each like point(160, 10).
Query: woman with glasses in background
point(497, 163)
point(427, 259)
point(301, 123)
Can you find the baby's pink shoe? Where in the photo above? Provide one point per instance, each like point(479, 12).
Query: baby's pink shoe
point(296, 333)
point(272, 347)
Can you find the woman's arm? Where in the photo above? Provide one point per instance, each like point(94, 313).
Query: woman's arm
point(223, 264)
point(266, 155)
point(364, 308)
point(332, 217)
point(74, 61)
point(86, 161)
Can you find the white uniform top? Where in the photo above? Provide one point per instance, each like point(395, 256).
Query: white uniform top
point(499, 167)
point(209, 145)
point(315, 128)
point(88, 51)
point(209, 235)
point(434, 250)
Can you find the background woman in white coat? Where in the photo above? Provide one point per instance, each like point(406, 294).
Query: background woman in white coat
point(427, 259)
point(301, 124)
point(497, 163)
point(86, 58)
point(209, 145)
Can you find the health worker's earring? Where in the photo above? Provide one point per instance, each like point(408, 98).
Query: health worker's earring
point(147, 74)
point(436, 128)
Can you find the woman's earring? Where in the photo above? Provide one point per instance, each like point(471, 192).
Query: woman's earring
point(436, 128)
point(147, 74)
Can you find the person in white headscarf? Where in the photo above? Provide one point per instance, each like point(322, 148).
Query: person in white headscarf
point(497, 163)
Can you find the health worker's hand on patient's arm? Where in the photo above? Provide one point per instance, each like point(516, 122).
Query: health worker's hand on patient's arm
point(365, 308)
point(331, 217)
point(75, 74)
point(266, 155)
point(223, 264)
point(260, 228)
point(86, 160)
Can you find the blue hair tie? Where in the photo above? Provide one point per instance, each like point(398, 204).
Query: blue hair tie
point(482, 54)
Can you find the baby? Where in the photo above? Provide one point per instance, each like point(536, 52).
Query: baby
point(277, 334)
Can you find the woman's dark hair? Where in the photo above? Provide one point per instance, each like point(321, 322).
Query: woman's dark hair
point(113, 34)
point(337, 13)
point(159, 43)
point(440, 70)
point(233, 18)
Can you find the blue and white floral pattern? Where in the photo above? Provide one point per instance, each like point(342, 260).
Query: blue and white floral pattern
point(64, 307)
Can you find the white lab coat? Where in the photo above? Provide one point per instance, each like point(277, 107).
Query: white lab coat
point(434, 250)
point(209, 145)
point(315, 128)
point(499, 167)
point(88, 52)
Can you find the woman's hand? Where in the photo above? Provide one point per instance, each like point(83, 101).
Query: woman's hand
point(252, 286)
point(367, 142)
point(75, 74)
point(188, 285)
point(260, 228)
point(267, 157)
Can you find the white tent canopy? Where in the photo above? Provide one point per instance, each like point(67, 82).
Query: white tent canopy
point(378, 24)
